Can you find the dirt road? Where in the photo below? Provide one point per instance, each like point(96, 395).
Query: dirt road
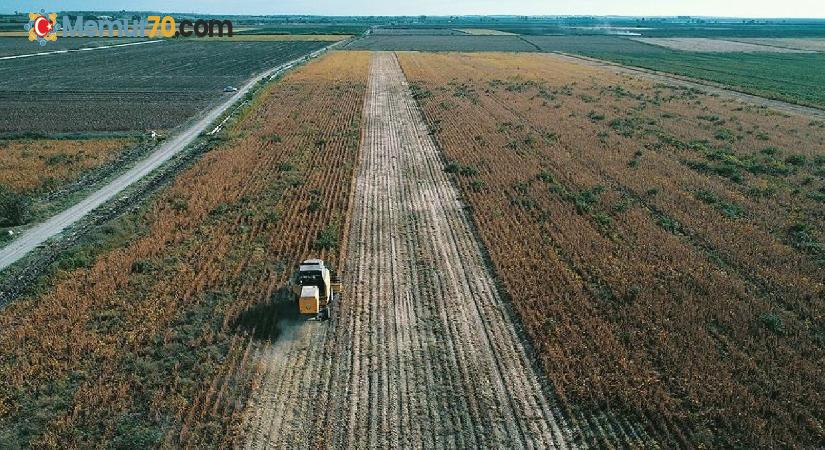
point(422, 350)
point(42, 232)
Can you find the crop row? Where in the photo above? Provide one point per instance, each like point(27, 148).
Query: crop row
point(650, 286)
point(152, 342)
point(143, 87)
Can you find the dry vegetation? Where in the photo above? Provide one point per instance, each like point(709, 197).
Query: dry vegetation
point(715, 45)
point(666, 246)
point(483, 32)
point(37, 164)
point(151, 343)
point(812, 44)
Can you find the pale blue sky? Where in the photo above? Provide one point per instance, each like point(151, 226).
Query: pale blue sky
point(727, 8)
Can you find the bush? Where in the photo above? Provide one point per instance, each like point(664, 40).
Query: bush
point(141, 266)
point(707, 197)
point(14, 208)
point(419, 92)
point(602, 220)
point(801, 238)
point(468, 171)
point(773, 322)
point(547, 177)
point(550, 137)
point(452, 167)
point(595, 117)
point(723, 134)
point(327, 238)
point(179, 204)
point(770, 151)
point(585, 200)
point(75, 260)
point(795, 160)
point(669, 224)
point(314, 205)
point(716, 120)
point(524, 202)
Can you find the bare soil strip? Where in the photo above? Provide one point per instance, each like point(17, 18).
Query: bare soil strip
point(715, 45)
point(810, 44)
point(422, 351)
point(703, 85)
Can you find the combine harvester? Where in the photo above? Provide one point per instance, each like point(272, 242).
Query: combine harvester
point(317, 289)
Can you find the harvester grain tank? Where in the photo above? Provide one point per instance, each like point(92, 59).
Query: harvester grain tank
point(317, 288)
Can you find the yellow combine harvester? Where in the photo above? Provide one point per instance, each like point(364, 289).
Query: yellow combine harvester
point(317, 289)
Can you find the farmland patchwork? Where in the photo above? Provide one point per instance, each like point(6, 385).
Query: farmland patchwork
point(539, 247)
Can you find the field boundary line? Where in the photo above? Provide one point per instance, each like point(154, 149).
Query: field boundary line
point(705, 85)
point(83, 49)
point(531, 44)
point(38, 234)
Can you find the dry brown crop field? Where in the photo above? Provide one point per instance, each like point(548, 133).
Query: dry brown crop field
point(152, 343)
point(422, 352)
point(715, 45)
point(812, 44)
point(663, 247)
point(34, 164)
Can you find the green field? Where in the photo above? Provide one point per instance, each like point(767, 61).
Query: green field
point(792, 77)
point(796, 78)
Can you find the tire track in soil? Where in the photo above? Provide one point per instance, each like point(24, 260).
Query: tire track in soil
point(422, 351)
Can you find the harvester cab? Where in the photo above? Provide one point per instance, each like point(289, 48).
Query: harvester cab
point(317, 288)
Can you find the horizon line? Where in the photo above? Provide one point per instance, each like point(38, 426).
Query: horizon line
point(540, 16)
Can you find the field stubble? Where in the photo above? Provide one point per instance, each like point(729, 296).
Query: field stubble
point(422, 352)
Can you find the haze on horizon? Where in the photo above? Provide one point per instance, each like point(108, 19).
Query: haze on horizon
point(714, 8)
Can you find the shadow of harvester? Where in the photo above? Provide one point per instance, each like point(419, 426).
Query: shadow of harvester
point(265, 321)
